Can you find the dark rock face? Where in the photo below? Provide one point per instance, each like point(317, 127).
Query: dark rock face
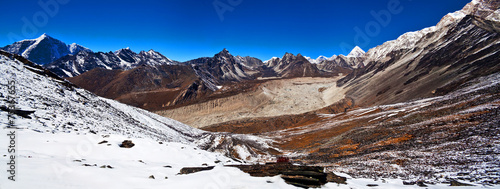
point(127, 144)
point(301, 176)
point(456, 183)
point(103, 142)
point(341, 64)
point(331, 177)
point(224, 68)
point(291, 66)
point(196, 90)
point(22, 113)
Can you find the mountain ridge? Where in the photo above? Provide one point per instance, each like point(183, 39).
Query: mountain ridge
point(44, 49)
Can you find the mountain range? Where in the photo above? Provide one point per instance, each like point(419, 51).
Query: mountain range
point(424, 106)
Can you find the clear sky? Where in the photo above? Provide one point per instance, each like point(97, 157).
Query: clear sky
point(188, 29)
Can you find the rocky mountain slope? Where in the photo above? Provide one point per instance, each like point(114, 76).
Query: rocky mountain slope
point(437, 139)
point(148, 87)
point(426, 63)
point(157, 86)
point(60, 107)
point(424, 107)
point(44, 49)
point(223, 68)
point(294, 66)
point(75, 136)
point(464, 45)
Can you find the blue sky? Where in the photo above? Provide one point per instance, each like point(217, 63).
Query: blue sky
point(188, 29)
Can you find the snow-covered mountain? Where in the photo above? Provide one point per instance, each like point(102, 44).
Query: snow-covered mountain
point(44, 49)
point(340, 64)
point(123, 59)
point(356, 52)
point(435, 60)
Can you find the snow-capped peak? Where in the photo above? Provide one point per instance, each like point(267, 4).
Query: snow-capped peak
point(44, 49)
point(75, 48)
point(43, 36)
point(356, 52)
point(318, 60)
point(123, 50)
point(273, 58)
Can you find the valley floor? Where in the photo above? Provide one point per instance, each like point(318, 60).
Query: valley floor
point(270, 98)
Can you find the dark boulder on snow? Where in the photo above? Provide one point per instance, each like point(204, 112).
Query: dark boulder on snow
point(22, 113)
point(127, 144)
point(189, 170)
point(456, 183)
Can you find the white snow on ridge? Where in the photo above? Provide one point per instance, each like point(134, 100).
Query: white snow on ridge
point(356, 52)
point(26, 52)
point(273, 58)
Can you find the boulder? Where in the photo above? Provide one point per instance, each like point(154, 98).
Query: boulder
point(456, 183)
point(189, 170)
point(127, 144)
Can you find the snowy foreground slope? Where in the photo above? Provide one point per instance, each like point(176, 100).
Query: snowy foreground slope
point(55, 161)
point(59, 146)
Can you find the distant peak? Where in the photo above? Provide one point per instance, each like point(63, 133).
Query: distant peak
point(356, 52)
point(123, 50)
point(224, 52)
point(43, 36)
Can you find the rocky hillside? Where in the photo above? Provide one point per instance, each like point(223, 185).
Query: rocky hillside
point(436, 139)
point(425, 107)
point(464, 45)
point(58, 106)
